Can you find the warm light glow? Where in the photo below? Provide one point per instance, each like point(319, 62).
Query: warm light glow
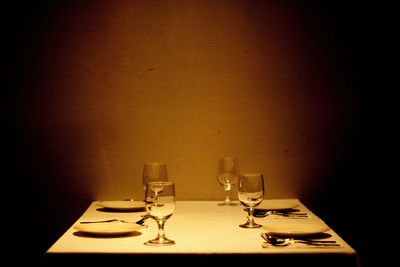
point(124, 82)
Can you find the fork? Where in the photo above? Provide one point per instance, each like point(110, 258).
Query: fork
point(141, 221)
point(264, 213)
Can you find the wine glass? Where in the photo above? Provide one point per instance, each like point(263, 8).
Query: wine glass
point(227, 175)
point(154, 171)
point(160, 205)
point(250, 193)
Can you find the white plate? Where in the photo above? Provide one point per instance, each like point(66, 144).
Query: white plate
point(295, 229)
point(107, 228)
point(122, 205)
point(277, 204)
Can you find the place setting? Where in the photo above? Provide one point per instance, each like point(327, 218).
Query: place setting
point(278, 208)
point(279, 234)
point(251, 196)
point(159, 204)
point(110, 226)
point(119, 225)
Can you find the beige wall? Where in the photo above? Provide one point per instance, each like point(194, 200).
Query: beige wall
point(113, 84)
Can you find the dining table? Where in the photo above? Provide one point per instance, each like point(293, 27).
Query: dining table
point(205, 232)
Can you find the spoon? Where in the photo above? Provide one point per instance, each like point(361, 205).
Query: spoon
point(280, 241)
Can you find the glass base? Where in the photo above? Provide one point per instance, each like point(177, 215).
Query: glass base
point(160, 242)
point(250, 225)
point(228, 204)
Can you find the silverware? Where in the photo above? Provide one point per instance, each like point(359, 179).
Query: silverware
point(280, 241)
point(264, 213)
point(103, 221)
point(141, 221)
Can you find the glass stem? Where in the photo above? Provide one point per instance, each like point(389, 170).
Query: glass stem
point(250, 218)
point(227, 196)
point(161, 234)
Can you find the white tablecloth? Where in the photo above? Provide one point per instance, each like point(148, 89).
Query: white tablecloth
point(199, 228)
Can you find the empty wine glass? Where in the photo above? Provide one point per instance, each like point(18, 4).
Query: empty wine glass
point(250, 193)
point(160, 205)
point(227, 175)
point(154, 172)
